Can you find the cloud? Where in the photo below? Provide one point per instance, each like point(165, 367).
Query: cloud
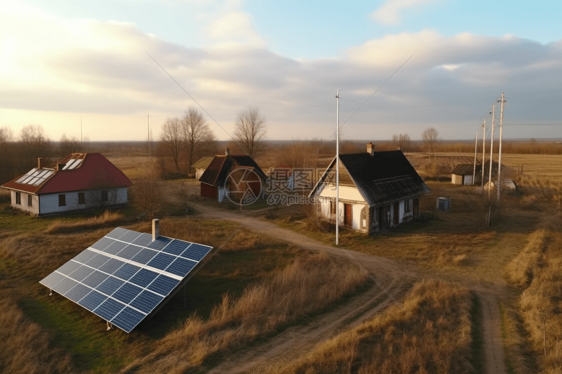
point(390, 12)
point(59, 70)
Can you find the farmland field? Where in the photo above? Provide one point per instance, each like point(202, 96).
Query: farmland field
point(281, 297)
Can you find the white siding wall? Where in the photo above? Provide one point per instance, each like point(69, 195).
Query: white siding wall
point(468, 180)
point(221, 194)
point(49, 203)
point(34, 209)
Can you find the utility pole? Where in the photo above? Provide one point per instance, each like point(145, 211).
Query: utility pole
point(337, 167)
point(483, 150)
point(502, 101)
point(148, 133)
point(491, 151)
point(475, 150)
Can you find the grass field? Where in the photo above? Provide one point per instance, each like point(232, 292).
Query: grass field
point(257, 286)
point(55, 324)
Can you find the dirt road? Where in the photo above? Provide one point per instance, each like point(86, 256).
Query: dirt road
point(392, 280)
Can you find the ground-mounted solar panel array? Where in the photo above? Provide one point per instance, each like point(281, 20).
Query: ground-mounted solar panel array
point(125, 275)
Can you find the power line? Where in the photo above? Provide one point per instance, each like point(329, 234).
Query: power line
point(196, 102)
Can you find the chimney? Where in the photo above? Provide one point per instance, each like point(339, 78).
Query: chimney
point(371, 148)
point(39, 162)
point(227, 151)
point(155, 228)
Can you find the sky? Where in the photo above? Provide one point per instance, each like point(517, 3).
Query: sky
point(401, 66)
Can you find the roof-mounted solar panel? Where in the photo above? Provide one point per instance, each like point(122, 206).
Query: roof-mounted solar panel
point(125, 276)
point(75, 165)
point(68, 163)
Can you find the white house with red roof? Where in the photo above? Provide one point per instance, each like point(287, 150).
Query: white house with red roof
point(79, 181)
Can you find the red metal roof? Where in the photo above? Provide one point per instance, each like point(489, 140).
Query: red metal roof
point(95, 172)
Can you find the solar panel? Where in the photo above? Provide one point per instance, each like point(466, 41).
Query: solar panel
point(125, 276)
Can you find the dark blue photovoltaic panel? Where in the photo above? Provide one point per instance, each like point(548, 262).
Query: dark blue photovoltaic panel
point(111, 266)
point(129, 251)
point(85, 256)
point(144, 256)
point(81, 273)
point(117, 233)
point(163, 285)
point(143, 239)
point(127, 293)
point(101, 244)
point(176, 247)
point(110, 285)
point(115, 248)
point(128, 319)
point(109, 309)
point(64, 285)
point(93, 280)
point(126, 271)
point(92, 300)
point(129, 236)
point(77, 292)
point(161, 261)
point(159, 243)
point(97, 261)
point(196, 252)
point(52, 279)
point(181, 267)
point(143, 277)
point(146, 301)
point(69, 267)
point(116, 277)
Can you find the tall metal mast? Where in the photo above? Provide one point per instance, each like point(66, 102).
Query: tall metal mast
point(491, 150)
point(500, 157)
point(337, 166)
point(475, 150)
point(483, 150)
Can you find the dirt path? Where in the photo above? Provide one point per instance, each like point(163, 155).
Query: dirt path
point(392, 279)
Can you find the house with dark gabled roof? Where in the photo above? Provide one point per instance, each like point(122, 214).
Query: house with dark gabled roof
point(215, 180)
point(378, 190)
point(80, 181)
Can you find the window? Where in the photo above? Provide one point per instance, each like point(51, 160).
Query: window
point(62, 200)
point(104, 196)
point(18, 198)
point(332, 207)
point(29, 200)
point(81, 198)
point(407, 206)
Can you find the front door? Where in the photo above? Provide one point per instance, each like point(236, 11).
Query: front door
point(396, 213)
point(347, 217)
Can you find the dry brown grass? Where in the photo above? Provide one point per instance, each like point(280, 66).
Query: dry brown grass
point(431, 335)
point(526, 264)
point(107, 218)
point(540, 267)
point(25, 346)
point(311, 283)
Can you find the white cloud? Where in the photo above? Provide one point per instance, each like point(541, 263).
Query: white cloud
point(390, 12)
point(60, 70)
point(234, 29)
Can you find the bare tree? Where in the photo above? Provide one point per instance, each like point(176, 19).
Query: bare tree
point(429, 137)
point(172, 139)
point(250, 131)
point(33, 144)
point(147, 194)
point(6, 153)
point(402, 141)
point(69, 145)
point(197, 135)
